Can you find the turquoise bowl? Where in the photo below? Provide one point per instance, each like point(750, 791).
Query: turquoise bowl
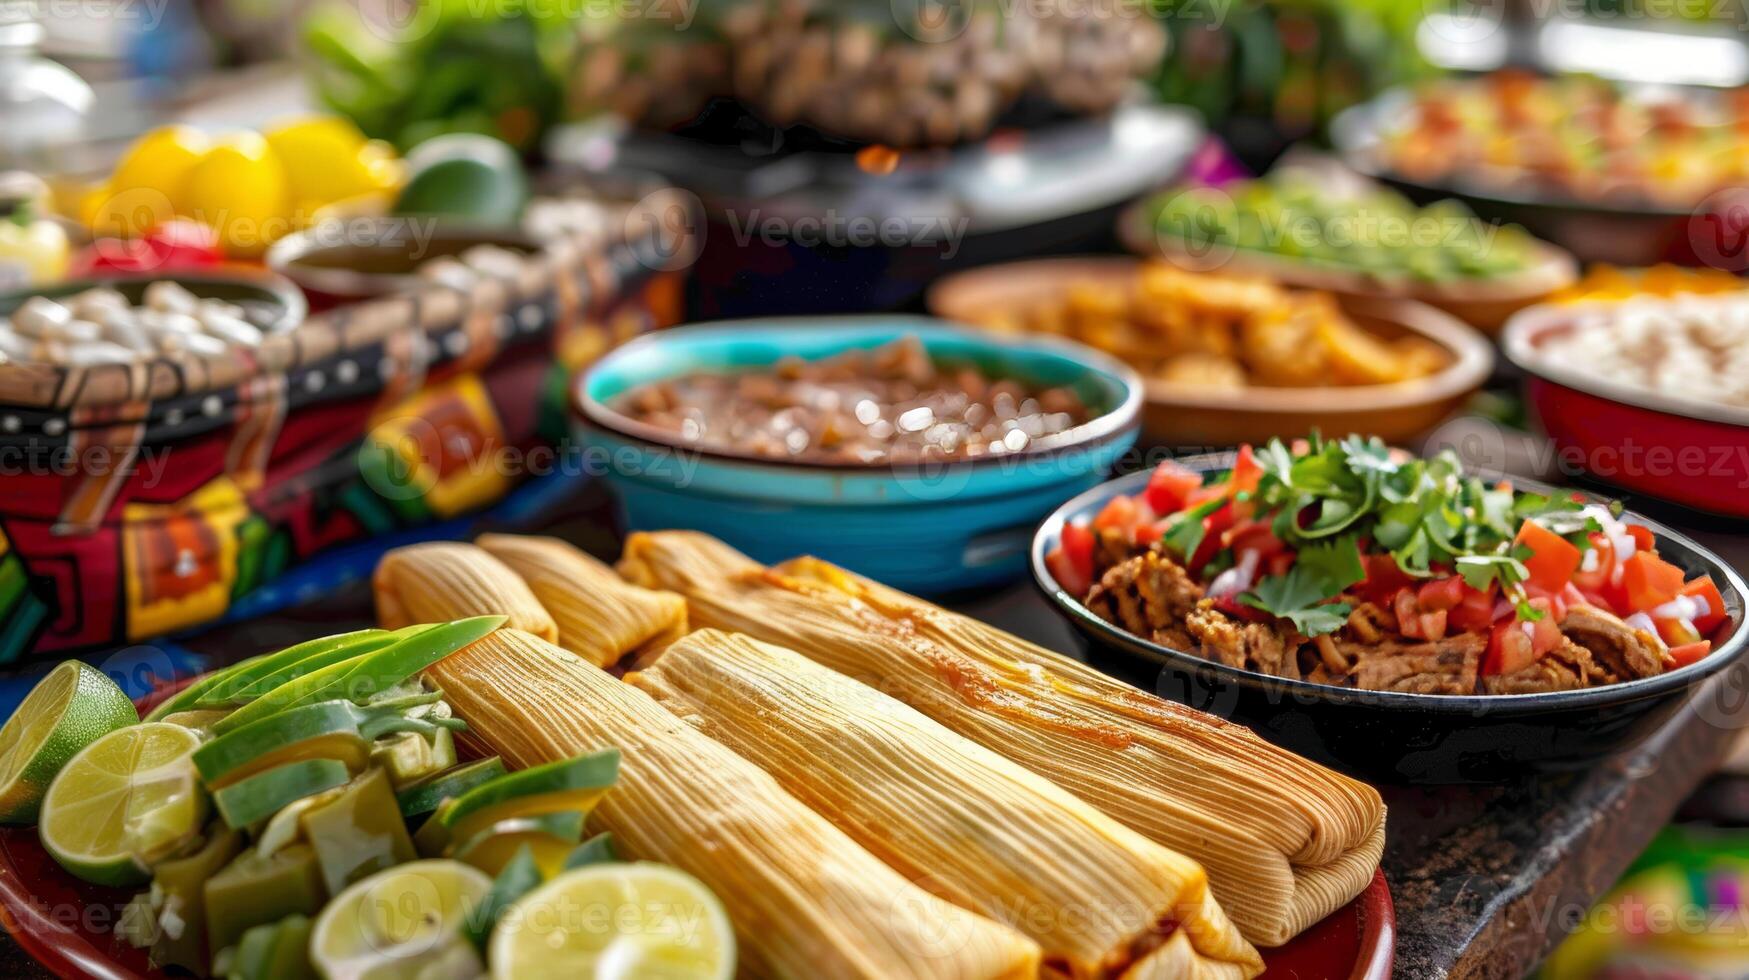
point(930, 528)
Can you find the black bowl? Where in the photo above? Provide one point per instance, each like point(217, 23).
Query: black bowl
point(1392, 737)
point(273, 302)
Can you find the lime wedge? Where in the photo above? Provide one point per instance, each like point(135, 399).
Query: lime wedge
point(408, 921)
point(616, 922)
point(124, 801)
point(71, 707)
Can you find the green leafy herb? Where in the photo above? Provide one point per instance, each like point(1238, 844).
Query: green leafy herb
point(1299, 597)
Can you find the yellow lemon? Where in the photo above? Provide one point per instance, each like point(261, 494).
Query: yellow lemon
point(240, 189)
point(327, 159)
point(160, 160)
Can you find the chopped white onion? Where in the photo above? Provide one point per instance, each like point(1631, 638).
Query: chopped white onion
point(1237, 579)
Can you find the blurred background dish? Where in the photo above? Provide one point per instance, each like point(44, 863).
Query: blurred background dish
point(934, 523)
point(1346, 236)
point(1226, 360)
point(1639, 390)
point(383, 256)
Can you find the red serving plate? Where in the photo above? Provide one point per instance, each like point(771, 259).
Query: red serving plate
point(68, 925)
point(1615, 429)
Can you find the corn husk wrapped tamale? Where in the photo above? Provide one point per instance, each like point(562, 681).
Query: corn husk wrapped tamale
point(960, 820)
point(600, 618)
point(1284, 841)
point(437, 581)
point(805, 899)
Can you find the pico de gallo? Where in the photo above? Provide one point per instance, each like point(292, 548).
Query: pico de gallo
point(1324, 559)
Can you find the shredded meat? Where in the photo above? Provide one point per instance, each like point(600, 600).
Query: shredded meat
point(1150, 595)
point(1370, 624)
point(1568, 667)
point(1263, 647)
point(1622, 650)
point(1447, 666)
point(1111, 549)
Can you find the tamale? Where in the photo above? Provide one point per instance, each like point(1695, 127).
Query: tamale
point(600, 617)
point(1285, 842)
point(437, 581)
point(806, 900)
point(972, 827)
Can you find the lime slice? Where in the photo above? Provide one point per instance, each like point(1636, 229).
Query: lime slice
point(407, 921)
point(73, 706)
point(126, 800)
point(616, 922)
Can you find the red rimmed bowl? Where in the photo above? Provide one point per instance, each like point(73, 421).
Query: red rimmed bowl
point(1687, 452)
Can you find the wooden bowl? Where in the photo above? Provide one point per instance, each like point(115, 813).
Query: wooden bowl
point(1485, 304)
point(1187, 418)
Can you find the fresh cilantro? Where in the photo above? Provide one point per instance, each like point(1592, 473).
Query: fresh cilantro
point(1184, 530)
point(1298, 597)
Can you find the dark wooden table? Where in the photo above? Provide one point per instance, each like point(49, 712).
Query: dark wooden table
point(1485, 878)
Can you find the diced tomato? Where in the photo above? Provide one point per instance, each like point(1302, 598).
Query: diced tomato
point(1280, 564)
point(1170, 487)
point(1068, 577)
point(1706, 591)
point(1509, 650)
point(1689, 653)
point(1204, 494)
point(1643, 539)
point(1649, 581)
point(1553, 559)
point(1147, 534)
point(1077, 545)
point(1600, 559)
point(1246, 471)
point(1675, 631)
point(1441, 594)
point(1253, 536)
point(1119, 512)
point(1556, 601)
point(1516, 644)
point(1474, 613)
point(1415, 622)
point(1383, 578)
point(1545, 632)
point(1213, 527)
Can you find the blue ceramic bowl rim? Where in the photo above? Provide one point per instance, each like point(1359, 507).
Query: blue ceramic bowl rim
point(877, 329)
point(1476, 705)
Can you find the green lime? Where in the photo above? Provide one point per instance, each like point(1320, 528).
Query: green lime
point(73, 706)
point(464, 175)
point(124, 801)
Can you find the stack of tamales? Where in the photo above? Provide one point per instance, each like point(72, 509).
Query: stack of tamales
point(1010, 784)
point(1285, 842)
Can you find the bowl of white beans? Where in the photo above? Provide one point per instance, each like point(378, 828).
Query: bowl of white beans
point(84, 323)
